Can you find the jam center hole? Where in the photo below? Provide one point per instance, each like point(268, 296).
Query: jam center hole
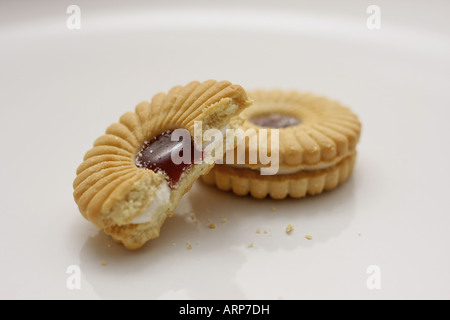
point(172, 158)
point(275, 120)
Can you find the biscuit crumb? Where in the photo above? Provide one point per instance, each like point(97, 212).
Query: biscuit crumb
point(308, 237)
point(289, 228)
point(212, 226)
point(194, 218)
point(109, 245)
point(274, 209)
point(189, 246)
point(224, 220)
point(266, 231)
point(258, 230)
point(359, 234)
point(251, 245)
point(104, 263)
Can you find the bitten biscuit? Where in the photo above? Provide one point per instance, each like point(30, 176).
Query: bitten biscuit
point(128, 184)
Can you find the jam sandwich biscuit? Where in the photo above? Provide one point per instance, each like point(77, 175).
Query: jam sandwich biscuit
point(317, 146)
point(128, 183)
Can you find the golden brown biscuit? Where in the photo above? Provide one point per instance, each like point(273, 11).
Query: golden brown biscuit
point(317, 146)
point(127, 183)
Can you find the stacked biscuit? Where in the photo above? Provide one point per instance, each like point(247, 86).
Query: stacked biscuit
point(317, 146)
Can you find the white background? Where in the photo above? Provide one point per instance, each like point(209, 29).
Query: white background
point(61, 88)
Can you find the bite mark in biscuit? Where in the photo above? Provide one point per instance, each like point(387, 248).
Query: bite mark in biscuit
point(130, 196)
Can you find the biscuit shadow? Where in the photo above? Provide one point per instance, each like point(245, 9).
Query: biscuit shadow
point(163, 268)
point(325, 215)
point(218, 226)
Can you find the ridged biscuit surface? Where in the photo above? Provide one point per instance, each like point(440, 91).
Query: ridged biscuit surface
point(327, 132)
point(111, 190)
point(319, 151)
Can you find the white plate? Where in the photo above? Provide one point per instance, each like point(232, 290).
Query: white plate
point(61, 88)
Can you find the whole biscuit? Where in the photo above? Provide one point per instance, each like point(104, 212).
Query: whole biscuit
point(320, 149)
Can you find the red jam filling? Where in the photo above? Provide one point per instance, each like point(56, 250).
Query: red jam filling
point(157, 155)
point(275, 120)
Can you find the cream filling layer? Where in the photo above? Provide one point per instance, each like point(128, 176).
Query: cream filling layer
point(162, 196)
point(285, 171)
